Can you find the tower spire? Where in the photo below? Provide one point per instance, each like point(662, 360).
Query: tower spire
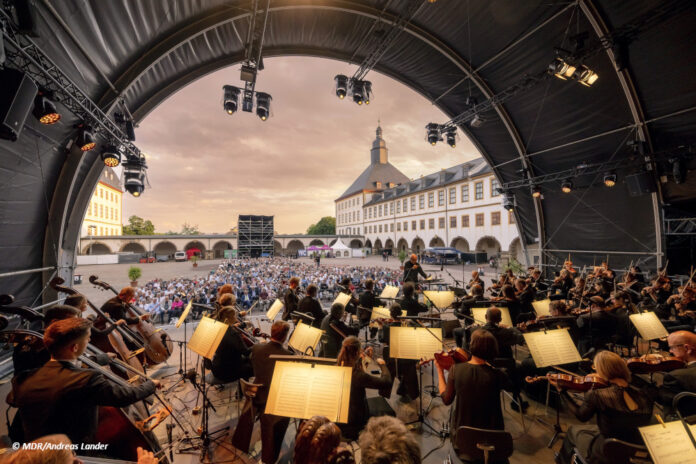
point(378, 154)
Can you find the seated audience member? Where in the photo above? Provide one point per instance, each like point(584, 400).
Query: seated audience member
point(351, 356)
point(318, 441)
point(476, 386)
point(334, 329)
point(620, 410)
point(387, 440)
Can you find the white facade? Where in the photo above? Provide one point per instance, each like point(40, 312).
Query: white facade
point(104, 212)
point(455, 207)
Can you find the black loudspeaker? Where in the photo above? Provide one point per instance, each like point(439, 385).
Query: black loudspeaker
point(17, 92)
point(640, 184)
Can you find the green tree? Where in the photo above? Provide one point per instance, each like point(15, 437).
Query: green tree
point(188, 229)
point(138, 226)
point(325, 226)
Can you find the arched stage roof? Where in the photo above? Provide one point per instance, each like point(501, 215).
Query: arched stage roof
point(149, 49)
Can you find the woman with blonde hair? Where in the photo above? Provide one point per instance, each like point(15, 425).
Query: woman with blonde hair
point(620, 410)
point(352, 355)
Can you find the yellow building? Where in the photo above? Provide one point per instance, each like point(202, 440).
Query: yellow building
point(103, 215)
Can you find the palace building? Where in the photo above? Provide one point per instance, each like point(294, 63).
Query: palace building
point(458, 207)
point(103, 215)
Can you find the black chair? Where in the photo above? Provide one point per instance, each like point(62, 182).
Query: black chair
point(684, 403)
point(618, 452)
point(485, 446)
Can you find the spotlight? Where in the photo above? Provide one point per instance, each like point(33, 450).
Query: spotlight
point(610, 179)
point(509, 201)
point(367, 89)
point(85, 140)
point(231, 98)
point(45, 110)
point(477, 121)
point(451, 137)
point(341, 86)
point(567, 186)
point(263, 105)
point(111, 156)
point(134, 175)
point(135, 185)
point(562, 69)
point(586, 76)
point(433, 133)
point(358, 95)
point(536, 191)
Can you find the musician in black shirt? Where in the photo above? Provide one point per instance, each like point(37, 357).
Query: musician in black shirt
point(409, 303)
point(352, 306)
point(311, 306)
point(290, 298)
point(412, 269)
point(368, 300)
point(334, 329)
point(117, 307)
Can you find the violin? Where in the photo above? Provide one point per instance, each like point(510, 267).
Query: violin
point(447, 359)
point(650, 363)
point(572, 382)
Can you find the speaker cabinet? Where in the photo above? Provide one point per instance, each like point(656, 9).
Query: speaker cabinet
point(17, 92)
point(640, 184)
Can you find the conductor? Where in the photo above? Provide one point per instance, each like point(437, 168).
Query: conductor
point(412, 269)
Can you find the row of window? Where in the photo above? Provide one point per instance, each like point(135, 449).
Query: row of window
point(403, 205)
point(349, 231)
point(107, 195)
point(420, 224)
point(103, 212)
point(346, 204)
point(349, 217)
point(103, 230)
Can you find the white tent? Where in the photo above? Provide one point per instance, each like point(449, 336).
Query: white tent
point(341, 250)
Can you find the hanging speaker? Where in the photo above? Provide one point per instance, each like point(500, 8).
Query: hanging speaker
point(641, 183)
point(16, 101)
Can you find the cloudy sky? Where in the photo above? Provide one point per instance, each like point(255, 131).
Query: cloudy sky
point(206, 167)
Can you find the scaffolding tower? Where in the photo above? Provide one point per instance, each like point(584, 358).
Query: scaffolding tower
point(255, 236)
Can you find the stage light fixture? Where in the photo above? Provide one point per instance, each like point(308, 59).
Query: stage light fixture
point(263, 105)
point(341, 86)
point(586, 76)
point(678, 171)
point(134, 175)
point(610, 179)
point(367, 90)
point(433, 133)
point(358, 95)
point(231, 98)
point(562, 69)
point(567, 186)
point(135, 184)
point(536, 191)
point(509, 201)
point(85, 139)
point(451, 137)
point(44, 110)
point(477, 121)
point(111, 156)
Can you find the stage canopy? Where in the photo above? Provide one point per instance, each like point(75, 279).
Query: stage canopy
point(140, 52)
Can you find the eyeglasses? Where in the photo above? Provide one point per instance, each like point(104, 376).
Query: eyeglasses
point(676, 346)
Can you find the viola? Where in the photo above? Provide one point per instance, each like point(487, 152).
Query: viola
point(650, 363)
point(572, 382)
point(447, 359)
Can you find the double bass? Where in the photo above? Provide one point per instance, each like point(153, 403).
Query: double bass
point(157, 343)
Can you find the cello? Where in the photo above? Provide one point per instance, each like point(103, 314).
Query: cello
point(157, 343)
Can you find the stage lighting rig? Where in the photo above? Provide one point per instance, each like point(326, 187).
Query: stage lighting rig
point(230, 101)
point(433, 133)
point(536, 191)
point(609, 179)
point(508, 201)
point(567, 186)
point(263, 105)
point(111, 156)
point(44, 108)
point(85, 140)
point(341, 86)
point(451, 136)
point(134, 174)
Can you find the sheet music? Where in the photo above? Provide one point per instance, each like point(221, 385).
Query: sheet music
point(389, 292)
point(207, 337)
point(552, 347)
point(648, 325)
point(274, 309)
point(414, 342)
point(342, 298)
point(441, 300)
point(669, 444)
point(380, 312)
point(302, 390)
point(184, 314)
point(480, 315)
point(541, 307)
point(303, 336)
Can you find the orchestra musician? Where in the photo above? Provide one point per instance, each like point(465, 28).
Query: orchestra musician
point(117, 307)
point(535, 281)
point(352, 305)
point(406, 368)
point(310, 305)
point(412, 269)
point(369, 300)
point(620, 410)
point(682, 345)
point(562, 284)
point(597, 326)
point(351, 356)
point(273, 428)
point(290, 298)
point(79, 301)
point(476, 386)
point(577, 293)
point(409, 302)
point(475, 280)
point(462, 310)
point(231, 359)
point(334, 338)
point(508, 295)
point(61, 396)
